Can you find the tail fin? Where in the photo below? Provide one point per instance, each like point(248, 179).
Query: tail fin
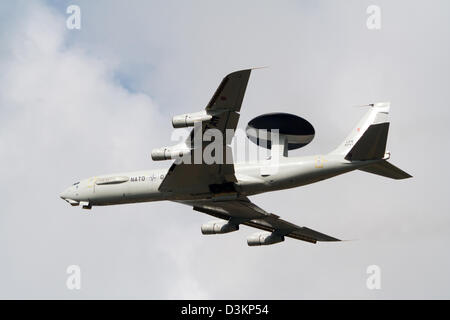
point(367, 141)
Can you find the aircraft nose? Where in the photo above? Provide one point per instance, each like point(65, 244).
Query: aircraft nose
point(64, 195)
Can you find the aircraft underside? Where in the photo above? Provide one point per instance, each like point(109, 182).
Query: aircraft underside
point(220, 188)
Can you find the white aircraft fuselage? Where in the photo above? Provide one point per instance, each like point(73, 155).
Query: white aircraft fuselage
point(252, 178)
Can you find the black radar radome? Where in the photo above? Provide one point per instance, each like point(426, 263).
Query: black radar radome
point(298, 131)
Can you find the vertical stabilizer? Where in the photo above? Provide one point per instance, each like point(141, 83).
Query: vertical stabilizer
point(367, 141)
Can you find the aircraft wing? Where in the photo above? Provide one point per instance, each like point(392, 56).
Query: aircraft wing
point(243, 211)
point(201, 178)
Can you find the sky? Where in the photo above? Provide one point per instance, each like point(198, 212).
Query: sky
point(79, 103)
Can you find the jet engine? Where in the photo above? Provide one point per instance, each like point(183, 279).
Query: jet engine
point(219, 227)
point(264, 239)
point(188, 119)
point(167, 153)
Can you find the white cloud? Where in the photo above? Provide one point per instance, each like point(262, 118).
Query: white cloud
point(64, 117)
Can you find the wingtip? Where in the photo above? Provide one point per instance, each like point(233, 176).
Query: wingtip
point(373, 105)
point(340, 240)
point(246, 70)
point(262, 67)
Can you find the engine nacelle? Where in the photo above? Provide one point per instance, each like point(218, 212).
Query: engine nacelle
point(167, 153)
point(219, 227)
point(264, 239)
point(188, 119)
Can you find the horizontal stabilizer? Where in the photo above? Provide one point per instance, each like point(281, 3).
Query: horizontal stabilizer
point(387, 170)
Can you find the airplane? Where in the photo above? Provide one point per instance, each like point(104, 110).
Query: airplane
point(221, 189)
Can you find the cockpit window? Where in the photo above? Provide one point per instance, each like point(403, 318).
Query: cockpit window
point(76, 183)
